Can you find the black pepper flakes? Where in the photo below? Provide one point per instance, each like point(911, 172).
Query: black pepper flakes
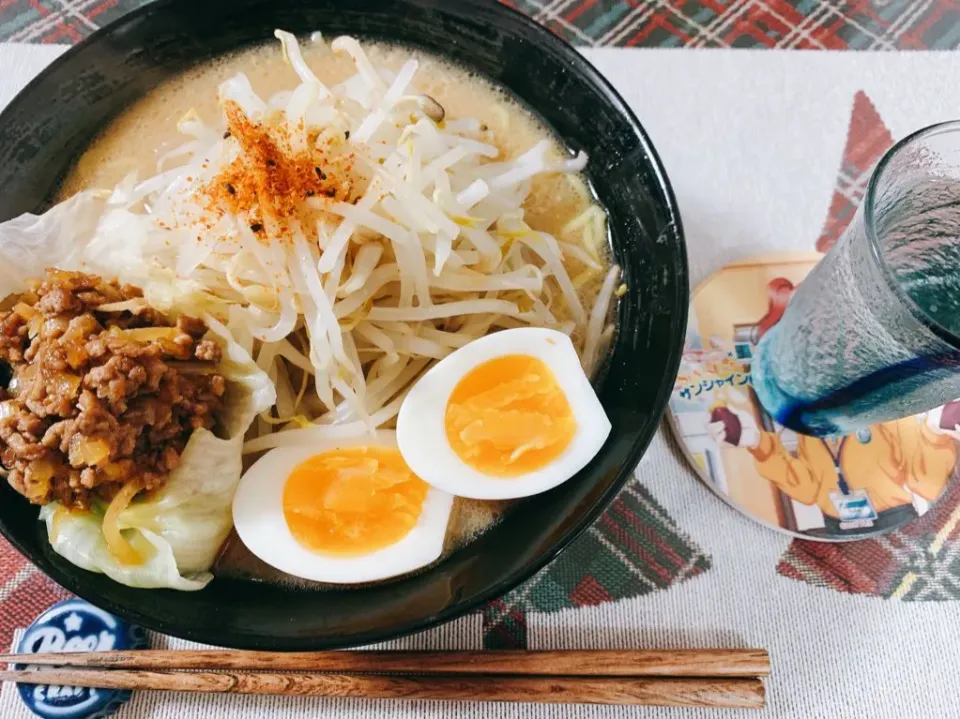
point(231, 189)
point(346, 135)
point(271, 163)
point(256, 227)
point(310, 193)
point(320, 173)
point(226, 135)
point(330, 192)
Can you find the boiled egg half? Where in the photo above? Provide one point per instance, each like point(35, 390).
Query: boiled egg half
point(508, 415)
point(341, 511)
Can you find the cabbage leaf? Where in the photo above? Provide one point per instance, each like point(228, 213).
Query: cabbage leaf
point(29, 244)
point(179, 529)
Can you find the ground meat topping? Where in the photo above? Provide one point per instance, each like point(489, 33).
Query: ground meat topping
point(97, 398)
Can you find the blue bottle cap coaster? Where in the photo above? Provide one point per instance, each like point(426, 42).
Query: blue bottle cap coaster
point(76, 626)
point(832, 489)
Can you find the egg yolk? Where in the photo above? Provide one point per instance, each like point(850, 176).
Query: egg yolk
point(509, 416)
point(352, 501)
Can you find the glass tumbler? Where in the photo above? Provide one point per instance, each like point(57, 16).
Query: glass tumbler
point(873, 332)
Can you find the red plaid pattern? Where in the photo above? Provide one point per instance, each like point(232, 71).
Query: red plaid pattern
point(24, 593)
point(867, 139)
point(918, 562)
point(800, 24)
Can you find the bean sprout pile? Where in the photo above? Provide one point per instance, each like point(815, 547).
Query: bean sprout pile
point(349, 236)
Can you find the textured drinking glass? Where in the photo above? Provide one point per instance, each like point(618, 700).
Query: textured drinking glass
point(873, 333)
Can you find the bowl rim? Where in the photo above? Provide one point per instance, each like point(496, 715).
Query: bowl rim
point(581, 65)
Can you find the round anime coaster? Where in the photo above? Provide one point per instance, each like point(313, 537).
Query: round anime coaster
point(834, 489)
point(75, 626)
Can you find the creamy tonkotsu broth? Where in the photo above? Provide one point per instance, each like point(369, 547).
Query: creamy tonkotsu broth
point(144, 133)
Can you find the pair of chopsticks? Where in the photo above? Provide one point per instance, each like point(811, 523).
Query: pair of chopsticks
point(692, 678)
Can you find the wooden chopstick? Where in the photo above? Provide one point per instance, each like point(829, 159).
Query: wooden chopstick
point(669, 662)
point(646, 691)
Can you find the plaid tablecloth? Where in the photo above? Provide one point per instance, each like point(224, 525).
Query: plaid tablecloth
point(766, 150)
point(800, 24)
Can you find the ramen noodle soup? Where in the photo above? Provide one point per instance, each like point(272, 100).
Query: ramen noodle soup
point(404, 286)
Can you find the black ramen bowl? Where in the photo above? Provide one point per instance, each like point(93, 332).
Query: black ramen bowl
point(45, 128)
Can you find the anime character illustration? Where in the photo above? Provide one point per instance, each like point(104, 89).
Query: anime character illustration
point(831, 488)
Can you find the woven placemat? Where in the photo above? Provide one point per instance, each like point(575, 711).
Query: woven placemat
point(799, 133)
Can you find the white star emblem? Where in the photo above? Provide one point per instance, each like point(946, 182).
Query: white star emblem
point(73, 623)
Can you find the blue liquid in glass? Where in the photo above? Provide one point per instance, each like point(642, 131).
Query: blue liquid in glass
point(828, 413)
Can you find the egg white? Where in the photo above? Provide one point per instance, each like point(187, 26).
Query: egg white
point(260, 523)
point(421, 431)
